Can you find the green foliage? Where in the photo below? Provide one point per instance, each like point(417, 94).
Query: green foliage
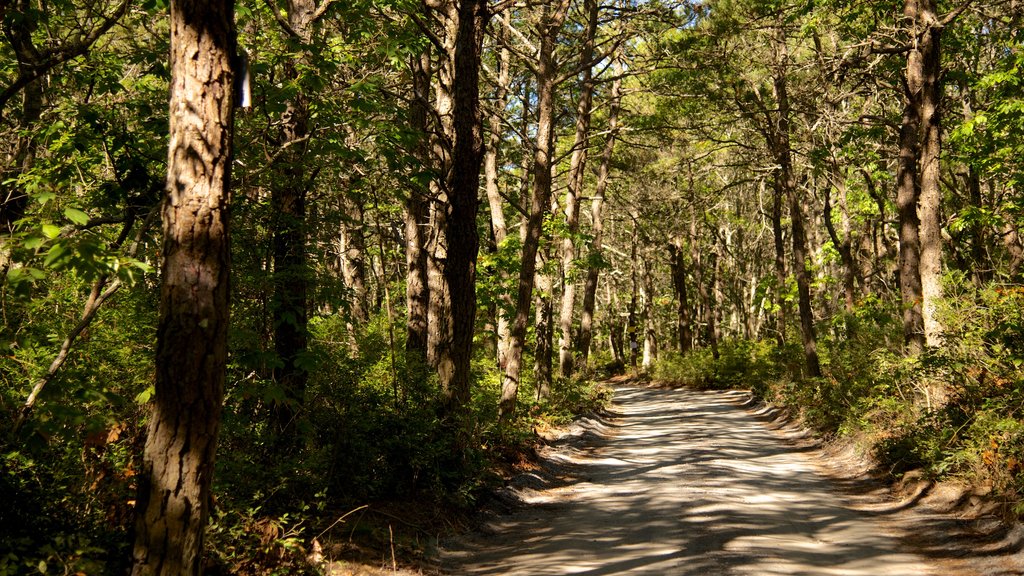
point(741, 364)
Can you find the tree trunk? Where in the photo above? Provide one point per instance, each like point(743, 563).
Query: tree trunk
point(289, 304)
point(908, 193)
point(416, 216)
point(843, 245)
point(543, 333)
point(495, 202)
point(647, 317)
point(191, 349)
point(707, 286)
point(13, 199)
point(923, 71)
point(786, 180)
point(597, 226)
point(684, 323)
point(551, 23)
point(778, 235)
point(577, 163)
point(463, 183)
point(353, 259)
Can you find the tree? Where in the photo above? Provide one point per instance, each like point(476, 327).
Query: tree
point(546, 70)
point(174, 486)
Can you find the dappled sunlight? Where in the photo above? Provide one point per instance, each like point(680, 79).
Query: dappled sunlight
point(686, 482)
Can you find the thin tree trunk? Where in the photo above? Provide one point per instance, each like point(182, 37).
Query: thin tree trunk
point(781, 305)
point(787, 180)
point(551, 23)
point(707, 286)
point(543, 333)
point(597, 225)
point(191, 350)
point(577, 163)
point(495, 202)
point(353, 258)
point(843, 245)
point(684, 322)
point(647, 316)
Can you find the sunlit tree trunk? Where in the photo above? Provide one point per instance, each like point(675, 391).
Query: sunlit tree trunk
point(466, 23)
point(577, 163)
point(495, 202)
point(597, 226)
point(908, 194)
point(924, 92)
point(173, 500)
point(415, 217)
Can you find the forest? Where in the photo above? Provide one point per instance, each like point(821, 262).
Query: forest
point(268, 266)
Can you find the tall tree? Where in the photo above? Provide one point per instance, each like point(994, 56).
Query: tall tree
point(597, 206)
point(546, 69)
point(577, 165)
point(191, 354)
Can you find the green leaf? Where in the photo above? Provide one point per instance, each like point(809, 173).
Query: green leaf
point(76, 216)
point(144, 396)
point(51, 231)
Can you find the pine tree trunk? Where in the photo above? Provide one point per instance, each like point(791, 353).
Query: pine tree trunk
point(495, 202)
point(289, 303)
point(684, 323)
point(462, 236)
point(577, 164)
point(597, 226)
point(416, 219)
point(191, 350)
point(785, 181)
point(551, 23)
point(353, 259)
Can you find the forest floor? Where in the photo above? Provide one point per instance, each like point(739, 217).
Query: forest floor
point(691, 482)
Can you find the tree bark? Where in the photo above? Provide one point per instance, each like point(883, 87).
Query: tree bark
point(416, 219)
point(550, 24)
point(843, 245)
point(684, 323)
point(786, 180)
point(191, 350)
point(924, 90)
point(543, 334)
point(353, 258)
point(908, 194)
point(577, 163)
point(597, 226)
point(289, 303)
point(778, 236)
point(495, 202)
point(463, 182)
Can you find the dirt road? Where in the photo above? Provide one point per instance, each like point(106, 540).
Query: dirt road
point(685, 482)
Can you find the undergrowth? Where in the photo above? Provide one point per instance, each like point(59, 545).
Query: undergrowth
point(369, 465)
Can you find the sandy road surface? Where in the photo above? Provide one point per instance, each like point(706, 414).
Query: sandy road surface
point(686, 482)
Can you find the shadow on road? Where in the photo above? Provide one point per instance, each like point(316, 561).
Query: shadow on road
point(686, 482)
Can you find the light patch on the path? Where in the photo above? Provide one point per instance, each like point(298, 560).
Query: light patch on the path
point(686, 483)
